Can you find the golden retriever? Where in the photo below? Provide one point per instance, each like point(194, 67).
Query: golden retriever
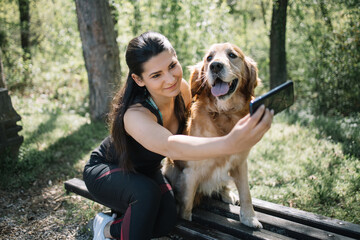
point(222, 86)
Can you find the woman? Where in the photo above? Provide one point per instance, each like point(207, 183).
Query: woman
point(146, 122)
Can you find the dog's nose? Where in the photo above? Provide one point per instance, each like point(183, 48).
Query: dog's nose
point(216, 67)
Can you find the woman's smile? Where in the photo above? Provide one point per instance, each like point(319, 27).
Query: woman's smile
point(172, 87)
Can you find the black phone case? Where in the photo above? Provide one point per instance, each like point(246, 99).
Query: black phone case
point(278, 98)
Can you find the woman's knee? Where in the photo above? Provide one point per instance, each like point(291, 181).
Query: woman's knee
point(89, 176)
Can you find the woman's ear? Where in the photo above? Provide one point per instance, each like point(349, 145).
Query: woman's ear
point(138, 80)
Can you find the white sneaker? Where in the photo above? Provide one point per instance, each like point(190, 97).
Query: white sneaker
point(99, 223)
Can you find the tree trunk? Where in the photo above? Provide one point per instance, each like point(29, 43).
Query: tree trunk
point(24, 9)
point(2, 74)
point(101, 53)
point(278, 73)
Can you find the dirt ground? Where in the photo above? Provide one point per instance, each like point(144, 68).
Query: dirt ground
point(45, 211)
point(41, 212)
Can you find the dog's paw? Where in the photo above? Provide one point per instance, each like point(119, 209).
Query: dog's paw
point(186, 215)
point(230, 197)
point(252, 222)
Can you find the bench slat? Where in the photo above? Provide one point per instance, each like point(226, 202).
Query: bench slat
point(78, 186)
point(336, 226)
point(217, 220)
point(193, 230)
point(272, 223)
point(233, 227)
point(329, 224)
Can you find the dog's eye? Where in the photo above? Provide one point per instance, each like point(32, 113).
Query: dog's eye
point(209, 58)
point(232, 55)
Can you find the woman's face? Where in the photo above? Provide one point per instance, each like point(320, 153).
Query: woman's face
point(162, 75)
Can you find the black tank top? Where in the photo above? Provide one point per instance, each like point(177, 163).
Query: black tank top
point(143, 160)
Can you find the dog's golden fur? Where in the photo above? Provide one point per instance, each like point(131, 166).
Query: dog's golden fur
point(214, 113)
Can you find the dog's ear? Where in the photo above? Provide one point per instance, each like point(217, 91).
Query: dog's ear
point(251, 72)
point(196, 79)
point(252, 79)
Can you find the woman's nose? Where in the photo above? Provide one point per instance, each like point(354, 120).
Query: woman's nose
point(170, 78)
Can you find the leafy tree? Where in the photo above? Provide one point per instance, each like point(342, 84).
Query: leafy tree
point(322, 46)
point(328, 52)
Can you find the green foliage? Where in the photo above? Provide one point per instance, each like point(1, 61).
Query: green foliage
point(57, 66)
point(328, 63)
point(322, 42)
point(10, 43)
point(192, 26)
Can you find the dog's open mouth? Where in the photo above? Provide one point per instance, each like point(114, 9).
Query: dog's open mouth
point(222, 89)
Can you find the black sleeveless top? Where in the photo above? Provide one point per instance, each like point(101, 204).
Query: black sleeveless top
point(143, 160)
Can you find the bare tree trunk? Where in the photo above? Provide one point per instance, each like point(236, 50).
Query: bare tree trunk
point(278, 72)
point(24, 9)
point(2, 74)
point(101, 53)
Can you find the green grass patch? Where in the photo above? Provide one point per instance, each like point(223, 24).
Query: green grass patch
point(307, 163)
point(57, 143)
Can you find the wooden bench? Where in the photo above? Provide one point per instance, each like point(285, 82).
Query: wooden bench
point(218, 220)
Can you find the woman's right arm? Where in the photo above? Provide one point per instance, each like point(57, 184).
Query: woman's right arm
point(142, 126)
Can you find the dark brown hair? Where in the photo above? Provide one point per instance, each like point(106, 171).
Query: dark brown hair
point(138, 52)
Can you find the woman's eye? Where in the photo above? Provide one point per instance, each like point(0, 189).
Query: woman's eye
point(156, 76)
point(209, 58)
point(232, 55)
point(172, 65)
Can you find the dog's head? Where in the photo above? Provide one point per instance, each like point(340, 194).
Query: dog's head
point(226, 75)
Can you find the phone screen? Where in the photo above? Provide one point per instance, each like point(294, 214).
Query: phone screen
point(277, 99)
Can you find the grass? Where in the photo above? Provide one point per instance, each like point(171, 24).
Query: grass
point(57, 142)
point(306, 162)
point(302, 164)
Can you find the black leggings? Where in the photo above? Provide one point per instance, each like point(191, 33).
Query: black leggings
point(146, 201)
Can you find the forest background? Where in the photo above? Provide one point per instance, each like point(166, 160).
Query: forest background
point(308, 160)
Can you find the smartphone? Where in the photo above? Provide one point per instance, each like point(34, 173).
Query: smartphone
point(278, 98)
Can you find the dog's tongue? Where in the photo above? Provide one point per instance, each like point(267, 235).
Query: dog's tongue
point(220, 88)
